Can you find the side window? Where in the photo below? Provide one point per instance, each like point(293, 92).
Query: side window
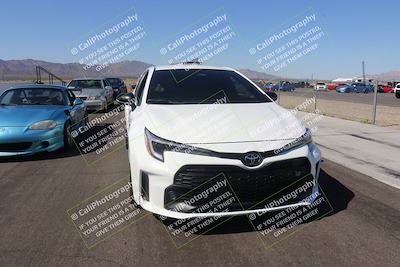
point(140, 87)
point(71, 97)
point(106, 83)
point(72, 84)
point(240, 88)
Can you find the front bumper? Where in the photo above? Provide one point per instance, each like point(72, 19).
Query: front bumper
point(158, 188)
point(15, 141)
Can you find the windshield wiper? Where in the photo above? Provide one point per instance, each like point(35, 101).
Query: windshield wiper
point(2, 104)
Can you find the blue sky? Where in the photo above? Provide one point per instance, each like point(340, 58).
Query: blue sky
point(353, 31)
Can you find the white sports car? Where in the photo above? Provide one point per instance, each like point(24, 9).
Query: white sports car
point(197, 134)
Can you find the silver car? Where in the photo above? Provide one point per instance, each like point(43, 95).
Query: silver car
point(96, 93)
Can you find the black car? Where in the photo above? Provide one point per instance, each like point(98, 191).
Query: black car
point(118, 86)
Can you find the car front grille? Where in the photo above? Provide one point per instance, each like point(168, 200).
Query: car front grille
point(250, 186)
point(15, 147)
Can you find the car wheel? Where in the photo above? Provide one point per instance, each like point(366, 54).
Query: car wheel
point(68, 140)
point(132, 201)
point(397, 94)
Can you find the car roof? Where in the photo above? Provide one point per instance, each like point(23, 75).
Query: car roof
point(189, 66)
point(38, 86)
point(88, 78)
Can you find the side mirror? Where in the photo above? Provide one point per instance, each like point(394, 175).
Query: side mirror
point(127, 99)
point(133, 87)
point(78, 101)
point(272, 95)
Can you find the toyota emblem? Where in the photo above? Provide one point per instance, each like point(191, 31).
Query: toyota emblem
point(252, 159)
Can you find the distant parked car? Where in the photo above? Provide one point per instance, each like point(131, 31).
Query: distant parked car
point(37, 117)
point(396, 90)
point(384, 89)
point(268, 87)
point(332, 87)
point(118, 86)
point(320, 87)
point(355, 88)
point(343, 89)
point(282, 86)
point(96, 93)
point(301, 84)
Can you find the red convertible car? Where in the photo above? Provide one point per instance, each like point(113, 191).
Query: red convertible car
point(332, 87)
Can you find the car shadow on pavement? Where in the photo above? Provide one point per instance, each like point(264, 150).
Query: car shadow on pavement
point(336, 193)
point(64, 153)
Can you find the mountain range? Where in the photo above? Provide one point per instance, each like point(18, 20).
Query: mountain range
point(25, 69)
point(386, 76)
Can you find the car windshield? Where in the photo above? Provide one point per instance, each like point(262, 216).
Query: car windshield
point(320, 83)
point(114, 82)
point(87, 84)
point(34, 96)
point(202, 86)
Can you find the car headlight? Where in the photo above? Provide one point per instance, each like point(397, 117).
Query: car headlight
point(306, 138)
point(156, 146)
point(315, 152)
point(43, 125)
point(100, 97)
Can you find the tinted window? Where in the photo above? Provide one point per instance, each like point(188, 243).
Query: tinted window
point(201, 87)
point(85, 84)
point(71, 96)
point(114, 82)
point(37, 96)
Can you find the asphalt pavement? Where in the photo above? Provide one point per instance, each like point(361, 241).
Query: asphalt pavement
point(35, 228)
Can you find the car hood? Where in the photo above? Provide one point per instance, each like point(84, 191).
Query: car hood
point(22, 116)
point(223, 123)
point(88, 92)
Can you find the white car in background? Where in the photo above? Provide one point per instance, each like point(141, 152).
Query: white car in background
point(321, 87)
point(175, 145)
point(96, 93)
point(396, 90)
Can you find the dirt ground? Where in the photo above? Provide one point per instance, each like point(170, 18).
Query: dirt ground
point(385, 115)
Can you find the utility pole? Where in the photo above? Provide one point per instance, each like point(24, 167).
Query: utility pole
point(315, 92)
point(375, 102)
point(363, 71)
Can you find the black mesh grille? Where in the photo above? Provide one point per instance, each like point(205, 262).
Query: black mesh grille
point(250, 186)
point(15, 147)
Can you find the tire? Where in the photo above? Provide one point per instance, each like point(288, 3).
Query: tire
point(397, 94)
point(68, 140)
point(86, 120)
point(132, 201)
